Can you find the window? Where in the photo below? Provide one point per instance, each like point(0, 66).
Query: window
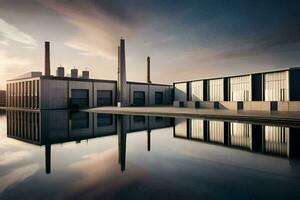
point(104, 97)
point(79, 98)
point(139, 98)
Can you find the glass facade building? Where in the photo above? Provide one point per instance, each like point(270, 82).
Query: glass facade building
point(240, 88)
point(216, 90)
point(197, 91)
point(276, 86)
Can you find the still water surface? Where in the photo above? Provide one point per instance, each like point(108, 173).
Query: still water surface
point(75, 155)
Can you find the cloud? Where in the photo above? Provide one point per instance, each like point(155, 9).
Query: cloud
point(169, 38)
point(5, 43)
point(11, 32)
point(98, 31)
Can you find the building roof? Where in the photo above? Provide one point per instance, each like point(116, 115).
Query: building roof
point(247, 74)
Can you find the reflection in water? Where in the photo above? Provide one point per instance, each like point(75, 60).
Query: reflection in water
point(282, 141)
point(60, 126)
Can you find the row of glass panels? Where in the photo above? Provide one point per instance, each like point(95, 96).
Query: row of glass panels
point(275, 139)
point(24, 94)
point(276, 88)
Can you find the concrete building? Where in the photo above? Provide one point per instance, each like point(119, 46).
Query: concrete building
point(36, 91)
point(274, 90)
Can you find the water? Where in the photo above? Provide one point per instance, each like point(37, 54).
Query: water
point(73, 155)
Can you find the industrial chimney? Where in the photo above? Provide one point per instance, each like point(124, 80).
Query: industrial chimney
point(122, 82)
point(148, 70)
point(47, 58)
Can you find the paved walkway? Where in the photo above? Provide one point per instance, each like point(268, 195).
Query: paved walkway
point(259, 117)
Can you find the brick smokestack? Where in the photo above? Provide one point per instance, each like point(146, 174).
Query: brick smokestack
point(148, 70)
point(47, 58)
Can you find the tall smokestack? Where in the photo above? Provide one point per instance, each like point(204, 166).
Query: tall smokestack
point(122, 82)
point(47, 58)
point(148, 70)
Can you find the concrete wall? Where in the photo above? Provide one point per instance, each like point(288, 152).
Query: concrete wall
point(53, 94)
point(137, 87)
point(105, 86)
point(166, 90)
point(82, 85)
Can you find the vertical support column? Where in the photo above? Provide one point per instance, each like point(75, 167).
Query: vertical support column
point(205, 130)
point(226, 133)
point(205, 90)
point(226, 89)
point(257, 138)
point(188, 128)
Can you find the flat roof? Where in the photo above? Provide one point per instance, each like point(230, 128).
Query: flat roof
point(83, 79)
point(238, 75)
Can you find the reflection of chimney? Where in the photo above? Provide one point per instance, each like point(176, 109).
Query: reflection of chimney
point(47, 58)
point(148, 139)
point(148, 70)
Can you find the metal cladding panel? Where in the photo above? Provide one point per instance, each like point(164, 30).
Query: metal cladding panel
point(240, 88)
point(276, 86)
point(54, 94)
point(180, 91)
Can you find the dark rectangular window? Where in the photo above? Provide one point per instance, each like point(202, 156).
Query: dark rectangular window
point(139, 98)
point(79, 98)
point(104, 97)
point(104, 120)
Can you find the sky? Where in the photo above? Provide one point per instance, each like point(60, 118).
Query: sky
point(186, 39)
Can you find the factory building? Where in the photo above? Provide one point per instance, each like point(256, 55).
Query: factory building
point(281, 141)
point(36, 91)
point(274, 88)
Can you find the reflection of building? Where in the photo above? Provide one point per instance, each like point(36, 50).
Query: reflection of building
point(58, 126)
point(37, 91)
point(2, 97)
point(282, 141)
point(276, 86)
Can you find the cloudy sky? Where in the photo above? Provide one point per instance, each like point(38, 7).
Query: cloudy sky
point(185, 39)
